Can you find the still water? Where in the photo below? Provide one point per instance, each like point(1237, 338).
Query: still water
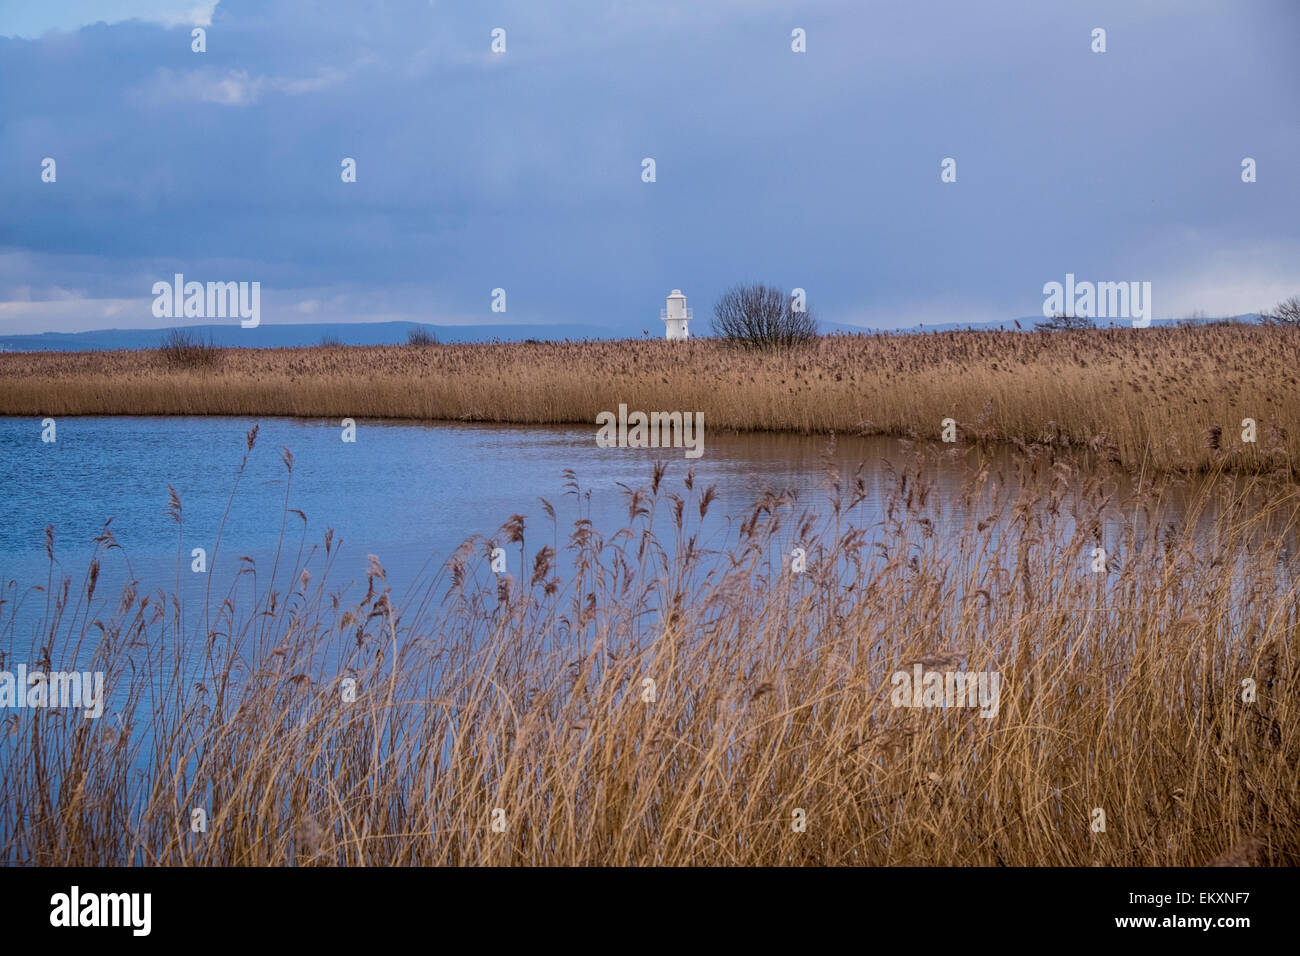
point(408, 493)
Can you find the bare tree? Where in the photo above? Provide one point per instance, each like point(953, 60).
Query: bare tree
point(761, 317)
point(185, 348)
point(420, 335)
point(1284, 313)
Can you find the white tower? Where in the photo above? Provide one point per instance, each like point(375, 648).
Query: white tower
point(676, 316)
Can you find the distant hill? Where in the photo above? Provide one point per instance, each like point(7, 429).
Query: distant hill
point(395, 333)
point(1027, 323)
point(268, 336)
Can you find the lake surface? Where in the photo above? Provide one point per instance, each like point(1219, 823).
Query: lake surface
point(412, 493)
point(408, 493)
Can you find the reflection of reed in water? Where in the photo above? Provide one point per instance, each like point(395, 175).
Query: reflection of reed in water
point(673, 695)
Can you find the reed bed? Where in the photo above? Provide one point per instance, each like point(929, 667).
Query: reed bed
point(478, 693)
point(1158, 398)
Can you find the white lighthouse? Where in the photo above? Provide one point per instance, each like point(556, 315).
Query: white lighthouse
point(676, 316)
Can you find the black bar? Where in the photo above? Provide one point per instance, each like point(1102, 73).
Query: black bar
point(365, 908)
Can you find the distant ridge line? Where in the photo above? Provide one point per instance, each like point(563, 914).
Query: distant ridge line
point(302, 335)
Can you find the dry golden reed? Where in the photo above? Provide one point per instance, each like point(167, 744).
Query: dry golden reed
point(1121, 691)
point(1145, 397)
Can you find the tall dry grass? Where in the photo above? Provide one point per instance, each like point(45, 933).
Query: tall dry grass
point(1122, 691)
point(1146, 397)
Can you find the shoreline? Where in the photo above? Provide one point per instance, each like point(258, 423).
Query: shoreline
point(1168, 399)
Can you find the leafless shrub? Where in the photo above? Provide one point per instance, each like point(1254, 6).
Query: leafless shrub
point(186, 349)
point(761, 317)
point(421, 335)
point(1284, 313)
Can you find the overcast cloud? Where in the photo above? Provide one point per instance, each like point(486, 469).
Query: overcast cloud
point(523, 171)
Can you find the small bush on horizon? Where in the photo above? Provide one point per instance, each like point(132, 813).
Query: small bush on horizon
point(184, 349)
point(757, 316)
point(421, 335)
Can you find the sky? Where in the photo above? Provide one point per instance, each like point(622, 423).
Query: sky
point(523, 170)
